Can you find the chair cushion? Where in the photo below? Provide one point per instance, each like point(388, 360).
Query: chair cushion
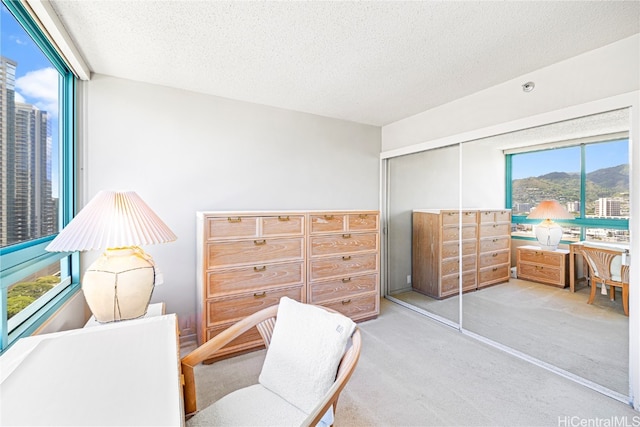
point(250, 406)
point(305, 351)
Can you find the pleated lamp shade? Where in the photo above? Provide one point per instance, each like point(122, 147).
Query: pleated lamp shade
point(550, 209)
point(112, 219)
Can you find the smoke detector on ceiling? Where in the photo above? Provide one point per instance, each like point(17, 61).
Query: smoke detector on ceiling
point(528, 86)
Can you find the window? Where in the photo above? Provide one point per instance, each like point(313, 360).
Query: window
point(590, 180)
point(36, 174)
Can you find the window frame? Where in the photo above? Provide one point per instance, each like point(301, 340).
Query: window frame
point(582, 221)
point(25, 258)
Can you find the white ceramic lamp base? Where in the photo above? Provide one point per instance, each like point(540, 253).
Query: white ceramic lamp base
point(548, 234)
point(119, 284)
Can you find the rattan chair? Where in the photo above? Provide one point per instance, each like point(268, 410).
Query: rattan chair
point(265, 321)
point(600, 271)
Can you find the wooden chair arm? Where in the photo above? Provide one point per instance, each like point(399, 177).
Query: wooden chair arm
point(345, 370)
point(209, 348)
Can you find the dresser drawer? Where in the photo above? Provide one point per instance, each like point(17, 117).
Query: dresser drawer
point(492, 230)
point(240, 280)
point(495, 274)
point(234, 308)
point(450, 283)
point(452, 265)
point(541, 257)
point(249, 339)
point(451, 233)
point(540, 273)
point(327, 223)
point(342, 288)
point(495, 243)
point(363, 222)
point(282, 225)
point(357, 308)
point(453, 217)
point(342, 266)
point(450, 249)
point(229, 227)
point(343, 243)
point(488, 259)
point(494, 216)
point(258, 251)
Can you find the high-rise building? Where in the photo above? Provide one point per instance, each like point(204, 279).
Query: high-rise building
point(573, 206)
point(7, 147)
point(27, 209)
point(606, 206)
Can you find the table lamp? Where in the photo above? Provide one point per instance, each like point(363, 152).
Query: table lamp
point(548, 232)
point(119, 284)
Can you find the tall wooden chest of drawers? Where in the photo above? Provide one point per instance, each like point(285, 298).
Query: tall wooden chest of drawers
point(494, 247)
point(449, 243)
point(249, 260)
point(344, 262)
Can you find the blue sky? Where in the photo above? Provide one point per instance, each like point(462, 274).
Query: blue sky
point(36, 79)
point(598, 156)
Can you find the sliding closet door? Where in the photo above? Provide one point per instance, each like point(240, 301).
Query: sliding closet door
point(538, 314)
point(421, 189)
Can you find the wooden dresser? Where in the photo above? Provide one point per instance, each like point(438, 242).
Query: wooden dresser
point(249, 260)
point(494, 247)
point(344, 262)
point(436, 243)
point(548, 267)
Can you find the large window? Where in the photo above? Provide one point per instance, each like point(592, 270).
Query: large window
point(36, 174)
point(591, 180)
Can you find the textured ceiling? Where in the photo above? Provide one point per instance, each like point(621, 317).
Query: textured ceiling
point(368, 62)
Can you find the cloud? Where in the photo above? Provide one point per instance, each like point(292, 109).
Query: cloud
point(19, 98)
point(40, 88)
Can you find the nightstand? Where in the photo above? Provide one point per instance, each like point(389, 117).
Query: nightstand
point(152, 311)
point(544, 266)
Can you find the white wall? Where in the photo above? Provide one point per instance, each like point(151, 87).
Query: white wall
point(183, 152)
point(597, 74)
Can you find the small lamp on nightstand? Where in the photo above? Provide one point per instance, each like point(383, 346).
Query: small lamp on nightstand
point(119, 284)
point(548, 232)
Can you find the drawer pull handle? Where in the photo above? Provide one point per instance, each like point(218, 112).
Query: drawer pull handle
point(495, 225)
point(495, 268)
point(346, 258)
point(539, 268)
point(283, 218)
point(260, 295)
point(363, 216)
point(468, 213)
point(345, 302)
point(495, 240)
point(346, 280)
point(263, 268)
point(236, 219)
point(494, 254)
point(328, 217)
point(346, 236)
point(259, 242)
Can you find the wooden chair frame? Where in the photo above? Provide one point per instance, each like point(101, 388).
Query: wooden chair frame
point(599, 261)
point(264, 320)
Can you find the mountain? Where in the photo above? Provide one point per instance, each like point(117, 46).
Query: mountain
point(565, 187)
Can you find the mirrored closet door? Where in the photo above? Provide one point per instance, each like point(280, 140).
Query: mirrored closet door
point(423, 232)
point(582, 163)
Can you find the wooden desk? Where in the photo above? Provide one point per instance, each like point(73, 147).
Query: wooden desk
point(120, 374)
point(576, 249)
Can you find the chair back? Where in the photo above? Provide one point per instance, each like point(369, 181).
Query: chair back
point(599, 261)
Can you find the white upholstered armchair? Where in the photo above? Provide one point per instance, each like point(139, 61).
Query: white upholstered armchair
point(311, 354)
